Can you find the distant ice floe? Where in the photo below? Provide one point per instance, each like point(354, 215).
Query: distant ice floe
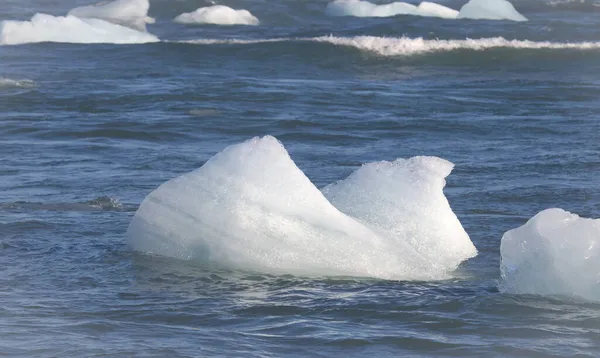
point(117, 22)
point(250, 207)
point(130, 13)
point(554, 253)
point(69, 29)
point(490, 10)
point(7, 83)
point(474, 9)
point(218, 15)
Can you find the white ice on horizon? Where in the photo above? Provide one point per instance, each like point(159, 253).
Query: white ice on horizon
point(490, 10)
point(474, 9)
point(130, 13)
point(69, 29)
point(251, 207)
point(554, 253)
point(218, 15)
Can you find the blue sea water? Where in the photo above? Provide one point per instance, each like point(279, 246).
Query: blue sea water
point(87, 131)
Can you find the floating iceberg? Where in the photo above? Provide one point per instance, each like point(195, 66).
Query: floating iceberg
point(250, 207)
point(362, 8)
point(70, 29)
point(130, 13)
point(436, 10)
point(490, 10)
point(219, 15)
point(554, 253)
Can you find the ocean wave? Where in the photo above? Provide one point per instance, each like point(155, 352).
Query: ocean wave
point(218, 15)
point(102, 203)
point(406, 46)
point(69, 29)
point(251, 207)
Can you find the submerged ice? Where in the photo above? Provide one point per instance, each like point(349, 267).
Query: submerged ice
point(218, 15)
point(554, 253)
point(251, 207)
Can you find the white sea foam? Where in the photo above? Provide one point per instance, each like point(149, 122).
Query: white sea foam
point(404, 46)
point(69, 29)
point(250, 207)
point(10, 83)
point(490, 10)
point(130, 13)
point(219, 15)
point(554, 253)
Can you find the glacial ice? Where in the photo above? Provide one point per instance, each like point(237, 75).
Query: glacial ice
point(69, 29)
point(554, 253)
point(251, 207)
point(130, 13)
point(219, 15)
point(360, 8)
point(490, 10)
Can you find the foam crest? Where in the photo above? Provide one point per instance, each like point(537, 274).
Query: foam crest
point(219, 15)
point(490, 10)
point(554, 253)
point(251, 207)
point(69, 29)
point(404, 46)
point(130, 13)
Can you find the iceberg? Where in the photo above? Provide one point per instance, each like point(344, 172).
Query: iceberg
point(490, 10)
point(250, 207)
point(360, 8)
point(554, 253)
point(130, 13)
point(69, 29)
point(218, 15)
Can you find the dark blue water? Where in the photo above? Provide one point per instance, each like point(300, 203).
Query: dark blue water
point(88, 130)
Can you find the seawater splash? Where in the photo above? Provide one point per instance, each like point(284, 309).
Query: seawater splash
point(406, 46)
point(218, 15)
point(474, 9)
point(69, 29)
point(251, 207)
point(554, 253)
point(130, 13)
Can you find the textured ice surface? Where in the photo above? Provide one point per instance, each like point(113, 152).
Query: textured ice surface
point(362, 8)
point(251, 207)
point(554, 253)
point(403, 200)
point(70, 29)
point(130, 13)
point(219, 15)
point(490, 10)
point(436, 10)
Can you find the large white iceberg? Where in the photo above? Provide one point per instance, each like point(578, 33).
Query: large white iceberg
point(69, 29)
point(250, 207)
point(218, 15)
point(490, 10)
point(554, 253)
point(130, 13)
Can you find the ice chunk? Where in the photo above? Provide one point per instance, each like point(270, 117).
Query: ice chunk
point(362, 8)
point(250, 207)
point(219, 15)
point(490, 10)
point(404, 200)
point(130, 13)
point(70, 29)
point(436, 10)
point(554, 253)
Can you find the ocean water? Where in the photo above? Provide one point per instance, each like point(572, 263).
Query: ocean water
point(87, 131)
